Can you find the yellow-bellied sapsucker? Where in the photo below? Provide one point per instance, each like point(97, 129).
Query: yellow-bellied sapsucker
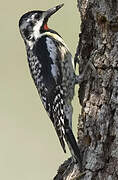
point(50, 64)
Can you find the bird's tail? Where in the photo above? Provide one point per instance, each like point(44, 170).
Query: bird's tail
point(72, 144)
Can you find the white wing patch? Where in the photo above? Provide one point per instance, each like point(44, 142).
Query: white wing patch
point(53, 55)
point(54, 70)
point(52, 49)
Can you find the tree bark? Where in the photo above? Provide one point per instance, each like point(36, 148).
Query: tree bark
point(98, 94)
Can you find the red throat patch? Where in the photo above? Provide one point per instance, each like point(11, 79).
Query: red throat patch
point(45, 27)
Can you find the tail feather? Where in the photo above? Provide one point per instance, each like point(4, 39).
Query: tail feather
point(72, 144)
point(62, 125)
point(61, 139)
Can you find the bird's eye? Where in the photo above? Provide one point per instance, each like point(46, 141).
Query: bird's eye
point(26, 33)
point(37, 16)
point(31, 24)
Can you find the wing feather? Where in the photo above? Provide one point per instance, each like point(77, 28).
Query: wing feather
point(52, 92)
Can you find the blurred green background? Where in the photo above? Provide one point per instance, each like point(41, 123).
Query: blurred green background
point(29, 147)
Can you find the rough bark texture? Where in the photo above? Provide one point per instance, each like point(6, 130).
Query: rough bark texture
point(98, 95)
point(98, 134)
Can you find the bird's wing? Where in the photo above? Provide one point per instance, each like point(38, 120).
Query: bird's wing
point(52, 80)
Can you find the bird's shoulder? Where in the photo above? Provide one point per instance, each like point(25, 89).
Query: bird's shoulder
point(51, 43)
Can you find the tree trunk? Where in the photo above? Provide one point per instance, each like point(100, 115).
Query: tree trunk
point(98, 94)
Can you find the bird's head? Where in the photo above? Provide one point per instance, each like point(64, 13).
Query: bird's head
point(33, 23)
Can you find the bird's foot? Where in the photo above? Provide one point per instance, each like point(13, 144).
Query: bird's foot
point(73, 172)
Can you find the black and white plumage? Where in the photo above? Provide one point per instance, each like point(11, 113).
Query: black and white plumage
point(50, 64)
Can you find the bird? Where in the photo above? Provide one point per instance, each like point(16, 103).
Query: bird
point(51, 67)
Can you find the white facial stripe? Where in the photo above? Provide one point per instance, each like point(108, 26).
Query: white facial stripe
point(36, 28)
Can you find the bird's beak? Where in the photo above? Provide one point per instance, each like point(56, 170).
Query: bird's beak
point(51, 11)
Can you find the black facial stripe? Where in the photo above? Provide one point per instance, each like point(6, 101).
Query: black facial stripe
point(38, 16)
point(31, 24)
